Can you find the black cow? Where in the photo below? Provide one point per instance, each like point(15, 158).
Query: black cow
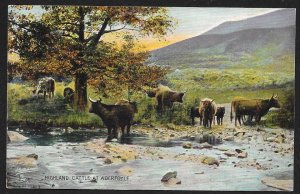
point(69, 94)
point(220, 114)
point(115, 117)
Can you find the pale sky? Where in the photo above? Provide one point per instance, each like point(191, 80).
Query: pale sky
point(192, 21)
point(197, 20)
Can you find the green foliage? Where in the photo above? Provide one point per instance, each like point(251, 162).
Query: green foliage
point(285, 116)
point(49, 112)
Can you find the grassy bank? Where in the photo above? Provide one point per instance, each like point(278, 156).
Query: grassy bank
point(221, 85)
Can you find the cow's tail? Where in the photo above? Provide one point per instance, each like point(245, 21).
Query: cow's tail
point(231, 117)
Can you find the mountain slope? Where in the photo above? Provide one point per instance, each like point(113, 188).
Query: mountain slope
point(277, 19)
point(225, 49)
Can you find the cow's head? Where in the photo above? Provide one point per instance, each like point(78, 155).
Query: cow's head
point(273, 102)
point(95, 105)
point(178, 97)
point(151, 93)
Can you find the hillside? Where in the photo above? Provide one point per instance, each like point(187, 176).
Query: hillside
point(263, 45)
point(277, 19)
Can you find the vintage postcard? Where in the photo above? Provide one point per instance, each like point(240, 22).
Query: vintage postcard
point(150, 98)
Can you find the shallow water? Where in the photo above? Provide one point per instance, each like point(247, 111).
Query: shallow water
point(62, 154)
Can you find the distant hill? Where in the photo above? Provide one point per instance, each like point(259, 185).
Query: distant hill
point(277, 19)
point(240, 40)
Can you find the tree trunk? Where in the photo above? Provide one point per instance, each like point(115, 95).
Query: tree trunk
point(81, 91)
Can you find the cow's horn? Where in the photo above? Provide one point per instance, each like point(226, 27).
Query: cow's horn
point(212, 100)
point(272, 95)
point(92, 100)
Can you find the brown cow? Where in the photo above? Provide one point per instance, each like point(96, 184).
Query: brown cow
point(256, 108)
point(165, 97)
point(208, 108)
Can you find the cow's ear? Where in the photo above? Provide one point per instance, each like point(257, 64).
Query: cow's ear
point(276, 96)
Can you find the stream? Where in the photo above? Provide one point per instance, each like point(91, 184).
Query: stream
point(65, 163)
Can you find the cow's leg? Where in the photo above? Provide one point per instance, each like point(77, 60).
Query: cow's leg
point(115, 133)
point(109, 135)
point(221, 120)
point(193, 120)
point(235, 119)
point(44, 95)
point(123, 130)
point(239, 119)
point(128, 129)
point(201, 120)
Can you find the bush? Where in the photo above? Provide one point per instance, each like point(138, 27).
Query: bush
point(284, 117)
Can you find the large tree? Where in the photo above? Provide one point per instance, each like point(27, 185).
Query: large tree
point(68, 40)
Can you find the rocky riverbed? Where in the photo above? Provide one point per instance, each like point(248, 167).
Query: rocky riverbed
point(166, 157)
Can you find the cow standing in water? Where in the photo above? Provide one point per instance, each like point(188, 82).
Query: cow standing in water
point(115, 117)
point(45, 86)
point(256, 108)
point(209, 108)
point(220, 114)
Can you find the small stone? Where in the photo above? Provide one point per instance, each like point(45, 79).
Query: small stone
point(242, 155)
point(230, 153)
point(210, 161)
point(202, 172)
point(271, 139)
point(187, 145)
point(205, 145)
point(32, 156)
point(168, 176)
point(173, 181)
point(240, 133)
point(108, 161)
point(229, 138)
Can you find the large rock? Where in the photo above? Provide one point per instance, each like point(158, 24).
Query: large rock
point(28, 161)
point(15, 137)
point(286, 185)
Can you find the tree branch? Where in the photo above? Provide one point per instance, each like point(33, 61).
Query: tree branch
point(114, 30)
point(100, 33)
